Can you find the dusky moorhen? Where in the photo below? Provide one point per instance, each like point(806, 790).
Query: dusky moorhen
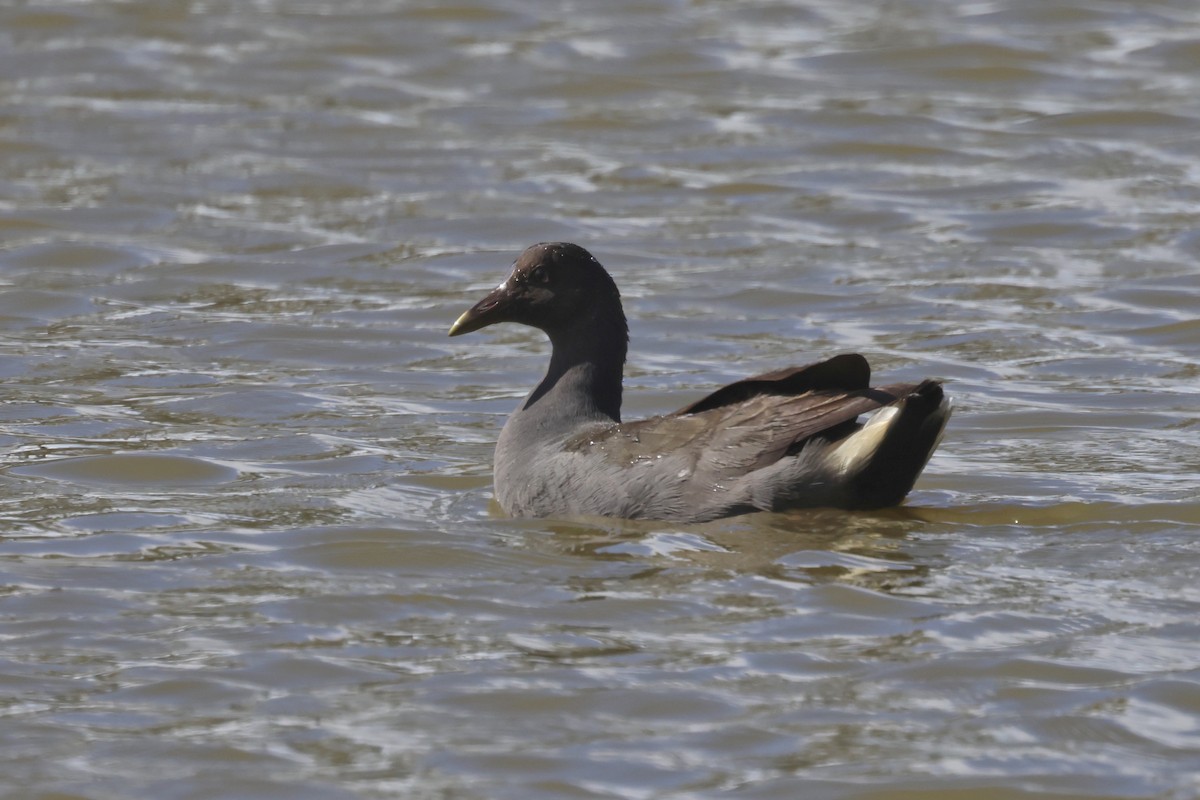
point(784, 439)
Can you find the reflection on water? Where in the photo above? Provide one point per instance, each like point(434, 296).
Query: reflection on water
point(247, 545)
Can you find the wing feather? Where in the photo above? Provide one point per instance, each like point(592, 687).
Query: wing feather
point(730, 439)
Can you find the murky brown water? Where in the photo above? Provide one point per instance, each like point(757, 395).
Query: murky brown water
point(247, 548)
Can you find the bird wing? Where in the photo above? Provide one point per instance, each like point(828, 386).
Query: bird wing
point(749, 424)
point(736, 439)
point(846, 372)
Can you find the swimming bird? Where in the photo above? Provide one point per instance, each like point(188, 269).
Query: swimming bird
point(784, 439)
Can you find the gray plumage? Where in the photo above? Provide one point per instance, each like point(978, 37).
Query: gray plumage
point(784, 439)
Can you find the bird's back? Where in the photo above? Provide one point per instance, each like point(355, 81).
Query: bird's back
point(779, 440)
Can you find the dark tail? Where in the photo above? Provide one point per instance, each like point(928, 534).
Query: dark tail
point(910, 439)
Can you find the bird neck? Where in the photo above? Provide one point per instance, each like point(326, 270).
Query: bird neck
point(586, 370)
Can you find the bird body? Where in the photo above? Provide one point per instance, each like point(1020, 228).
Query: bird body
point(784, 439)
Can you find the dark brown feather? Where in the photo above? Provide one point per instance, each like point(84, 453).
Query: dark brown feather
point(754, 422)
point(845, 372)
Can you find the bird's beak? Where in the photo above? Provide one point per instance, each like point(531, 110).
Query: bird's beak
point(487, 311)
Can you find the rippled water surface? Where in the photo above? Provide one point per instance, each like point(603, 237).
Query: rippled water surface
point(247, 546)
